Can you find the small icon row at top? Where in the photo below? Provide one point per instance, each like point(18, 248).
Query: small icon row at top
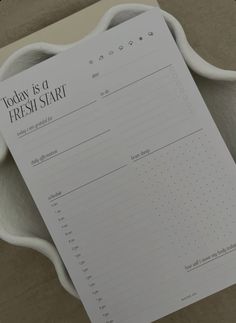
point(121, 47)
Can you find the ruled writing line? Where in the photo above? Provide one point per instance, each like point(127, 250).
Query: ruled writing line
point(63, 116)
point(171, 143)
point(83, 142)
point(211, 260)
point(90, 182)
point(131, 83)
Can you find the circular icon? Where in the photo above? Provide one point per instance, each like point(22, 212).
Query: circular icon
point(121, 47)
point(101, 57)
point(150, 33)
point(130, 42)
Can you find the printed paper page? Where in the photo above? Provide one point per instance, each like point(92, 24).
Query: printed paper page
point(128, 170)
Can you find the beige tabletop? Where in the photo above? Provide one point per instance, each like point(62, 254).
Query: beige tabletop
point(29, 288)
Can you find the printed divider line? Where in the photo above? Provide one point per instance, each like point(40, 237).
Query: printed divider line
point(171, 143)
point(90, 182)
point(68, 149)
point(129, 63)
point(63, 116)
point(211, 260)
point(133, 82)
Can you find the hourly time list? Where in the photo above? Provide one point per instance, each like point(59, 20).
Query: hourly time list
point(128, 171)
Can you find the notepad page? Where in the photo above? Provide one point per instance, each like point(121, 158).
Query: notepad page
point(128, 170)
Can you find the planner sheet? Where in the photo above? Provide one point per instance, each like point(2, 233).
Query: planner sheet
point(128, 171)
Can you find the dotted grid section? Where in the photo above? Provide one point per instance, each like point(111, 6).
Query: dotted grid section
point(193, 196)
